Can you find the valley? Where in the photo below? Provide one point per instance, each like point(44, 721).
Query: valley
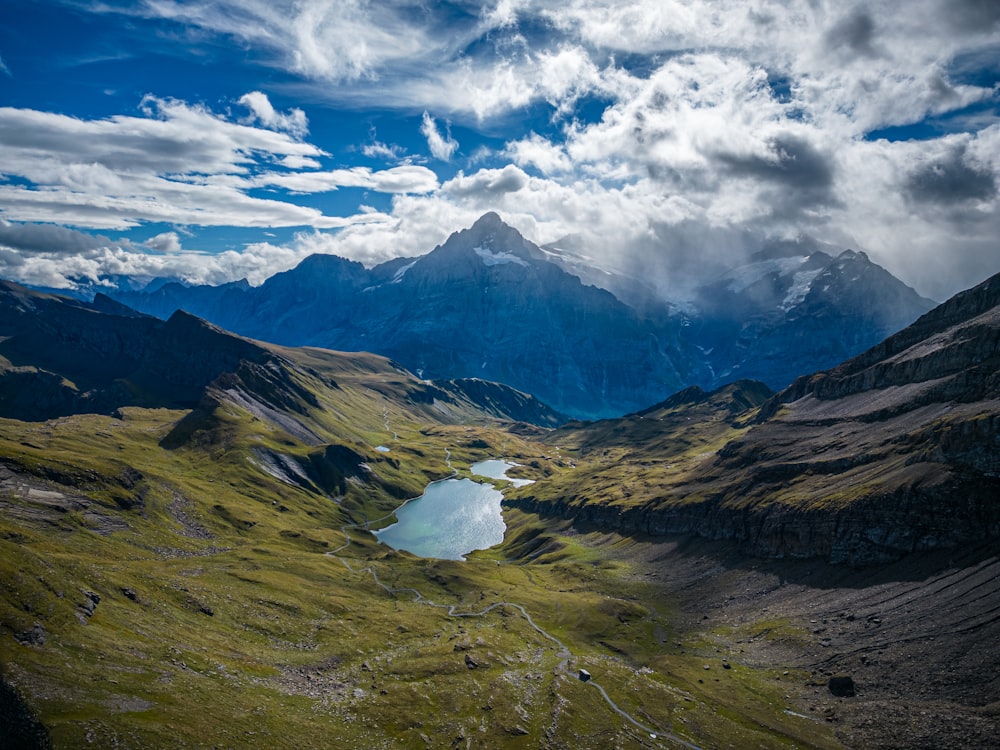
point(499, 375)
point(187, 559)
point(217, 612)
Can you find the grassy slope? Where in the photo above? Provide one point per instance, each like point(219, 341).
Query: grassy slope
point(651, 458)
point(223, 620)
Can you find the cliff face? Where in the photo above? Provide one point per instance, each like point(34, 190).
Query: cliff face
point(956, 344)
point(878, 530)
point(895, 451)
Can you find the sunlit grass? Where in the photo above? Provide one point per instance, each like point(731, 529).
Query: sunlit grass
point(224, 620)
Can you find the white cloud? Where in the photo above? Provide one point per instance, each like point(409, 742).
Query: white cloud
point(166, 242)
point(349, 40)
point(706, 122)
point(180, 164)
point(403, 179)
point(442, 147)
point(488, 184)
point(294, 121)
point(61, 259)
point(379, 150)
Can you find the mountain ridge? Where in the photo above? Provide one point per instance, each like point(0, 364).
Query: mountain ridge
point(60, 356)
point(489, 303)
point(890, 453)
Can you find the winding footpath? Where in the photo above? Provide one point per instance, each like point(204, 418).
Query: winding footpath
point(563, 652)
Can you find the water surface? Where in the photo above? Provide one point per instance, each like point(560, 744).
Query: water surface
point(451, 519)
point(496, 469)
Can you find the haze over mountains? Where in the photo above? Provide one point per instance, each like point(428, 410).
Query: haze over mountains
point(489, 304)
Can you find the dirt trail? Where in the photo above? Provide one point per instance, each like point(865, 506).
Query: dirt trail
point(656, 736)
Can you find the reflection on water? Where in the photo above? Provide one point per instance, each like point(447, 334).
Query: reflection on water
point(495, 469)
point(452, 518)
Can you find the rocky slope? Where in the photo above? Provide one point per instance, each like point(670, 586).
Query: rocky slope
point(893, 452)
point(60, 356)
point(489, 304)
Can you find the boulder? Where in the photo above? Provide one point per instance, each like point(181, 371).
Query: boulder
point(841, 685)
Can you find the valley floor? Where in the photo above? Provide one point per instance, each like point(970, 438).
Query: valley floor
point(203, 608)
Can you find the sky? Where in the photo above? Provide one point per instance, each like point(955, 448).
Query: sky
point(214, 140)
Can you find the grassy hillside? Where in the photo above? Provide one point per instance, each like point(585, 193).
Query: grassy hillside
point(194, 579)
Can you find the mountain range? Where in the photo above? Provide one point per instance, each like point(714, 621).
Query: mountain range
point(60, 356)
point(185, 557)
point(489, 304)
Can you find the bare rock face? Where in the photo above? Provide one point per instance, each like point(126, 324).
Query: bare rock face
point(33, 636)
point(956, 343)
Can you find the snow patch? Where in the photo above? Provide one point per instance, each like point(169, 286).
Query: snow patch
point(491, 258)
point(402, 272)
point(746, 276)
point(801, 283)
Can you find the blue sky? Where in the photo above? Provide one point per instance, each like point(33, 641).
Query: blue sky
point(212, 141)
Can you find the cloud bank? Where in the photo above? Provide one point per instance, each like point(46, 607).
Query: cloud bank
point(654, 132)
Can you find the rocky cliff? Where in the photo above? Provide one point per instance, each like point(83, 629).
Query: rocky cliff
point(893, 452)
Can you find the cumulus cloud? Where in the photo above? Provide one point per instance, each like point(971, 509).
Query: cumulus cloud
point(854, 33)
point(951, 178)
point(488, 184)
point(166, 242)
point(180, 164)
point(35, 254)
point(442, 147)
point(294, 121)
point(47, 238)
point(676, 129)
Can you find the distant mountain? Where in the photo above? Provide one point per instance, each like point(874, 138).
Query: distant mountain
point(894, 451)
point(60, 356)
point(787, 313)
point(489, 304)
point(485, 304)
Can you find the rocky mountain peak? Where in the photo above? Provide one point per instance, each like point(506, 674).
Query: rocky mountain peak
point(849, 255)
point(494, 241)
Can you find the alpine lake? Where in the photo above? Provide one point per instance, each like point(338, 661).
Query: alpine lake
point(453, 517)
